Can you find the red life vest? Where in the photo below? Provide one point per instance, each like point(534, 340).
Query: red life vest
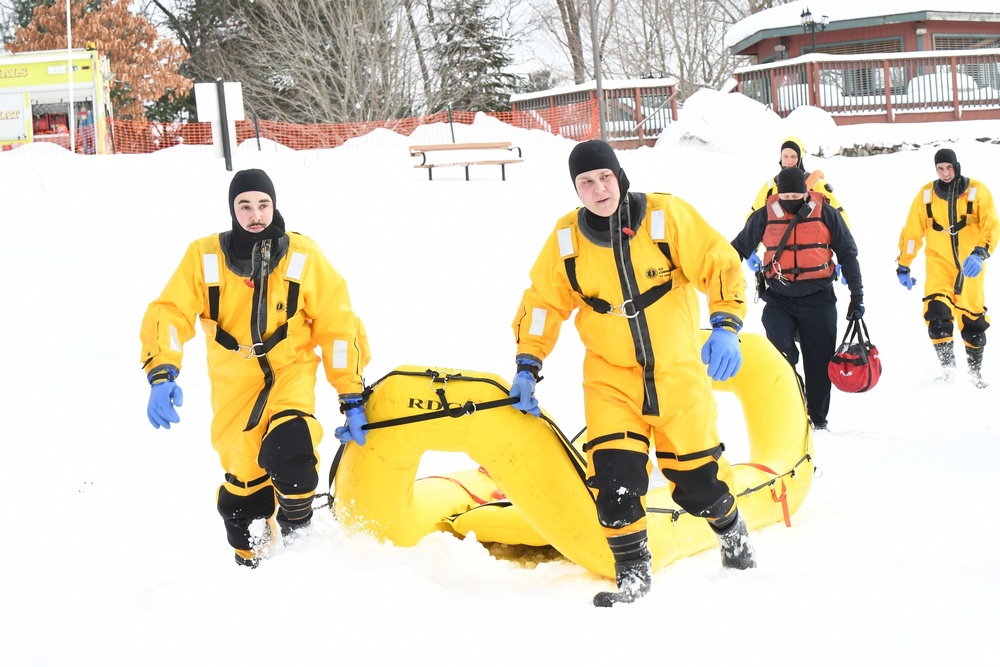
point(807, 254)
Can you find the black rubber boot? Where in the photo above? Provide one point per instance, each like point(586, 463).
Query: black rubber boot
point(735, 545)
point(293, 514)
point(946, 357)
point(246, 558)
point(974, 357)
point(634, 579)
point(946, 353)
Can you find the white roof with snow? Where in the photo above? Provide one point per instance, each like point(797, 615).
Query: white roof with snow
point(787, 16)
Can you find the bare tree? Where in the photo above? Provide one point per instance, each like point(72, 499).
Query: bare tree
point(312, 61)
point(561, 21)
point(425, 75)
point(683, 39)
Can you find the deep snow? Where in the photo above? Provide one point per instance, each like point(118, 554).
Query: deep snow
point(114, 554)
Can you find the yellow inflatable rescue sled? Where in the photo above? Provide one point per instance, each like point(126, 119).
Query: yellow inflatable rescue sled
point(529, 488)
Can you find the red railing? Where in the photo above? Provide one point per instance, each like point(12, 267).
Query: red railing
point(636, 112)
point(893, 88)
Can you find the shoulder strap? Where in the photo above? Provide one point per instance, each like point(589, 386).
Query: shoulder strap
point(226, 339)
point(643, 301)
point(784, 237)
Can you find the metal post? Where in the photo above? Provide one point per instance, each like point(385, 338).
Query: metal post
point(451, 125)
point(71, 117)
point(597, 70)
point(227, 150)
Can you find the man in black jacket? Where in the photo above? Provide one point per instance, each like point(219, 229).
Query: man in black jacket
point(802, 233)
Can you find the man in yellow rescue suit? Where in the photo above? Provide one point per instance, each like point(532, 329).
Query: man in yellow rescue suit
point(629, 263)
point(266, 300)
point(957, 218)
point(802, 233)
point(791, 158)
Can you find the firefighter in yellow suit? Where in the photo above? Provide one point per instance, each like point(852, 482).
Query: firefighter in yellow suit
point(629, 264)
point(791, 158)
point(956, 217)
point(266, 300)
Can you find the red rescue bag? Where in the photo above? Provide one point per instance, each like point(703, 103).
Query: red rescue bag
point(856, 366)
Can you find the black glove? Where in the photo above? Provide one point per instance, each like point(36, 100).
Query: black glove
point(856, 310)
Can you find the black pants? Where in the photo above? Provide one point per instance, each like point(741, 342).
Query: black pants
point(813, 319)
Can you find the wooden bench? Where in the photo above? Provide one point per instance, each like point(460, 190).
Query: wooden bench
point(423, 151)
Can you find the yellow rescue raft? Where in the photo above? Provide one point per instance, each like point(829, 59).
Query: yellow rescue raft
point(529, 488)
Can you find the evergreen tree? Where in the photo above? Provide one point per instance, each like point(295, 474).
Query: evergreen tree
point(472, 55)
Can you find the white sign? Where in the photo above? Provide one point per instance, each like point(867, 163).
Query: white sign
point(206, 96)
point(15, 114)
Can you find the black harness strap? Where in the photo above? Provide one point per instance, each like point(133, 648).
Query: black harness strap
point(587, 446)
point(288, 413)
point(629, 308)
point(466, 408)
point(293, 298)
point(228, 341)
point(954, 229)
point(784, 239)
point(714, 452)
point(235, 481)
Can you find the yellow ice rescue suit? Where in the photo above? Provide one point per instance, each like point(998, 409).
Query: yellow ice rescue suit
point(263, 319)
point(634, 290)
point(815, 181)
point(951, 227)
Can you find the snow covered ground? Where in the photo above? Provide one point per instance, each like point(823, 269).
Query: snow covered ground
point(113, 553)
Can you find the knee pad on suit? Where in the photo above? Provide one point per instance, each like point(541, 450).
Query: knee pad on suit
point(940, 322)
point(700, 492)
point(238, 512)
point(621, 480)
point(288, 455)
point(974, 330)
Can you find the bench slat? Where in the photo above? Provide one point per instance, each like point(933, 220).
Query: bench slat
point(422, 152)
point(462, 164)
point(461, 147)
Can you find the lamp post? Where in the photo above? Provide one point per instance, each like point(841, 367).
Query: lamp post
point(598, 89)
point(811, 26)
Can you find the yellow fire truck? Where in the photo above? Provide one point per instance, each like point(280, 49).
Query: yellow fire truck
point(35, 94)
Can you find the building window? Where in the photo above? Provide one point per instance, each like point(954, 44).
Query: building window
point(964, 42)
point(858, 48)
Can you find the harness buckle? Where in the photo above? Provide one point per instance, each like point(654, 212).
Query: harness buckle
point(627, 309)
point(250, 351)
point(778, 274)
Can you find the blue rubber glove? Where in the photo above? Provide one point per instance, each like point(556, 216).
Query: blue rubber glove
point(905, 279)
point(354, 428)
point(523, 386)
point(856, 310)
point(721, 351)
point(973, 264)
point(164, 394)
point(839, 275)
point(753, 261)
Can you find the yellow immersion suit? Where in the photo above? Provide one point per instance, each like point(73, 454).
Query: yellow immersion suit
point(951, 234)
point(263, 319)
point(814, 180)
point(642, 369)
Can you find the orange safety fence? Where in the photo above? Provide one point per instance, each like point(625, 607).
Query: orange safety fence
point(576, 121)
